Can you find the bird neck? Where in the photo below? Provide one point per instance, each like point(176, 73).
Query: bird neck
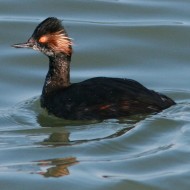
point(58, 75)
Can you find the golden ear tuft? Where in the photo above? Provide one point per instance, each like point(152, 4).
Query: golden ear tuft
point(57, 41)
point(60, 43)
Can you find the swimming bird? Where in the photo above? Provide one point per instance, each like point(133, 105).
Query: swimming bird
point(94, 98)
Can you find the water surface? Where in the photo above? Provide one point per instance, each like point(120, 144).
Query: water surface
point(141, 39)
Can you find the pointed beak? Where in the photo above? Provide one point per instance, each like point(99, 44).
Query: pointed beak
point(23, 45)
point(29, 44)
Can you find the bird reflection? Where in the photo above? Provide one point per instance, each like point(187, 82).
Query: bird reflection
point(62, 138)
point(56, 167)
point(61, 135)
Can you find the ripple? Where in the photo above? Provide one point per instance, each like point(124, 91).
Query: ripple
point(28, 123)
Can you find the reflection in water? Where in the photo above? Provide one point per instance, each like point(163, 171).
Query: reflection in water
point(56, 167)
point(62, 138)
point(48, 168)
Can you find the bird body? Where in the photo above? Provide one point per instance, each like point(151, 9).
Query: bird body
point(102, 98)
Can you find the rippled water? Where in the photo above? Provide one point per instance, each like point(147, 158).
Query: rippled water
point(147, 40)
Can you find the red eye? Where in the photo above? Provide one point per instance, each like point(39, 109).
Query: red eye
point(43, 39)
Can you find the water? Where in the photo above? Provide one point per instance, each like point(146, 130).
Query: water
point(147, 40)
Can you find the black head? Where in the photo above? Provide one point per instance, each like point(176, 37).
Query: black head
point(50, 38)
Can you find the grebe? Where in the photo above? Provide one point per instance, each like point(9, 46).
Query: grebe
point(95, 98)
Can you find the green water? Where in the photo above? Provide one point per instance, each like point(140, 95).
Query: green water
point(146, 40)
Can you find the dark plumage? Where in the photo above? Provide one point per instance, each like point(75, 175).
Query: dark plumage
point(96, 98)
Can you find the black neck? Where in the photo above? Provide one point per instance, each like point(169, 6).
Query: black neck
point(58, 75)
